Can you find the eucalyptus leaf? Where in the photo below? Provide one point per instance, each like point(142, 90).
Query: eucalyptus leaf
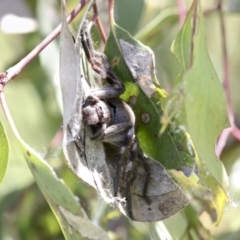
point(153, 32)
point(125, 8)
point(70, 80)
point(203, 109)
point(69, 213)
point(134, 64)
point(93, 161)
point(61, 200)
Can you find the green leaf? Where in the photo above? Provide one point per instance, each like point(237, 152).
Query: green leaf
point(69, 213)
point(125, 8)
point(190, 185)
point(203, 111)
point(153, 32)
point(70, 80)
point(133, 63)
point(4, 150)
point(195, 228)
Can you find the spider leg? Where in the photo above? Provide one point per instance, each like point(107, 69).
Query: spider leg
point(148, 174)
point(99, 133)
point(107, 91)
point(127, 141)
point(114, 134)
point(130, 177)
point(100, 65)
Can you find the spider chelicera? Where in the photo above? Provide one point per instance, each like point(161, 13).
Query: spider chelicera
point(112, 120)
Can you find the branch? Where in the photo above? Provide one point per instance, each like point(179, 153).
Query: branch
point(16, 69)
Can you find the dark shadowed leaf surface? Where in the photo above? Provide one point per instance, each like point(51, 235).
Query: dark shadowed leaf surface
point(121, 13)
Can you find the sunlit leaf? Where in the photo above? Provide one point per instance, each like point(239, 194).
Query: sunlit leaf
point(190, 185)
point(203, 106)
point(134, 64)
point(71, 217)
point(68, 211)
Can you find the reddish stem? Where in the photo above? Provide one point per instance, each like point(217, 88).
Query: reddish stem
point(99, 24)
point(16, 69)
point(111, 10)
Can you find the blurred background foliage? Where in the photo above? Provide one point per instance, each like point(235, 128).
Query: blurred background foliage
point(34, 101)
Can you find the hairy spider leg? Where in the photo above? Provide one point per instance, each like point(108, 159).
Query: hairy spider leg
point(100, 132)
point(126, 143)
point(101, 66)
point(131, 176)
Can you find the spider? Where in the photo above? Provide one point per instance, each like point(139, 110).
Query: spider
point(112, 120)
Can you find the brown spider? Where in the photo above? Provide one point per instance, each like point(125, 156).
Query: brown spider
point(112, 120)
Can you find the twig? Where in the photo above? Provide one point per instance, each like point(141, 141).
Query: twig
point(16, 69)
point(111, 10)
point(99, 24)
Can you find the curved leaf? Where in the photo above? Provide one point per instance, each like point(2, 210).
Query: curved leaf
point(134, 64)
point(152, 32)
point(70, 215)
point(68, 211)
point(70, 79)
point(203, 106)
